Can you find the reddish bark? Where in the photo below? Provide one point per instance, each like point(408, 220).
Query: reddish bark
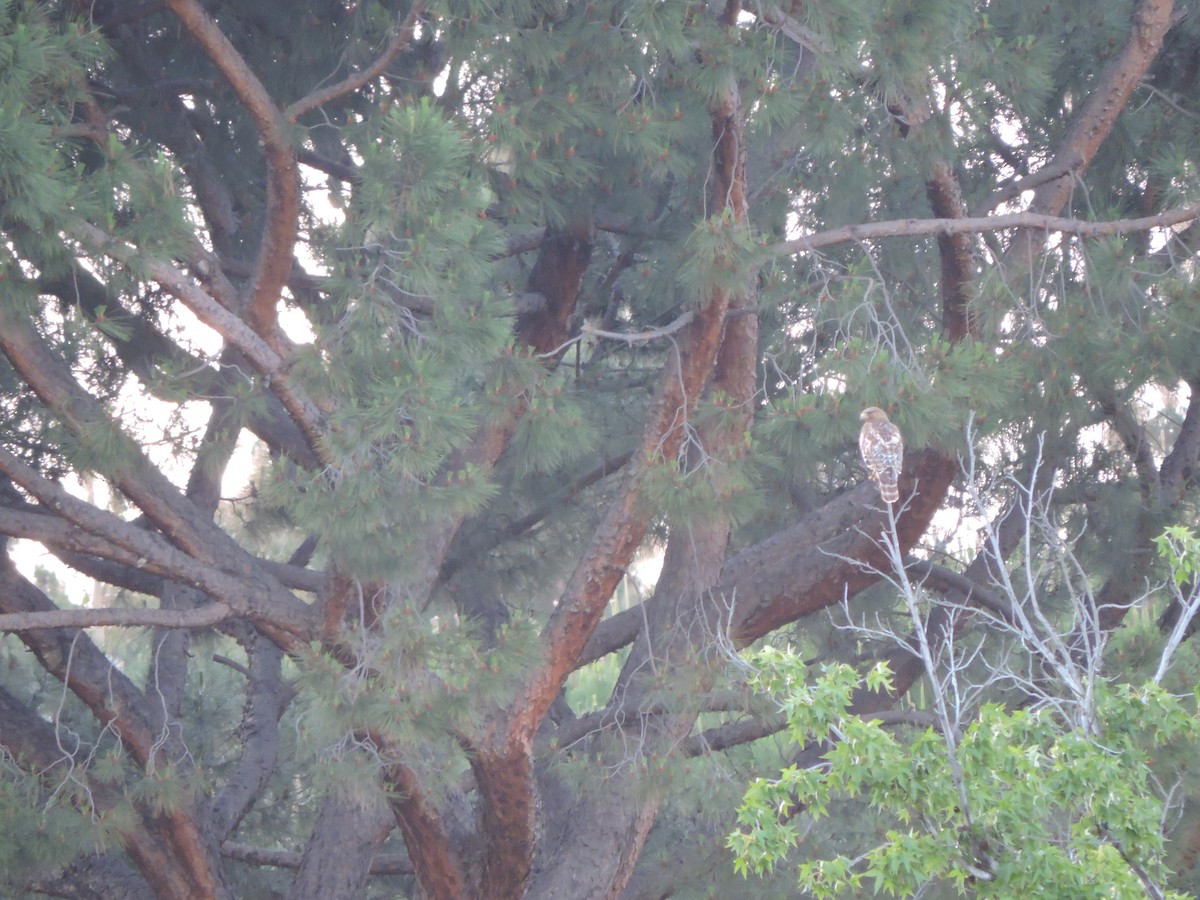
point(274, 262)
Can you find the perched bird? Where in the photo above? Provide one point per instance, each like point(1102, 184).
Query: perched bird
point(882, 448)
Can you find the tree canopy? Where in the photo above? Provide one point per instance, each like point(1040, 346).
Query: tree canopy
point(358, 360)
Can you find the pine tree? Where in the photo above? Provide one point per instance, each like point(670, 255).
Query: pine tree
point(398, 334)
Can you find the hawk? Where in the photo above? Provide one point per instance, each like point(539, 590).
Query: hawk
point(882, 449)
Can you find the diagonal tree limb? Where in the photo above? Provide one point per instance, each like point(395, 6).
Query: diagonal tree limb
point(54, 385)
point(147, 349)
point(1093, 124)
point(676, 636)
point(31, 739)
point(254, 596)
point(1181, 466)
point(222, 319)
point(439, 869)
point(136, 567)
point(274, 261)
point(79, 664)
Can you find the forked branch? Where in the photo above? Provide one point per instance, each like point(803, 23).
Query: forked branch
point(283, 173)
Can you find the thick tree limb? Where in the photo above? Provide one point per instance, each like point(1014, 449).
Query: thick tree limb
point(1106, 101)
point(432, 856)
point(222, 319)
point(252, 596)
point(290, 859)
point(609, 842)
point(332, 865)
point(201, 617)
point(1031, 221)
point(30, 738)
point(266, 697)
point(1182, 464)
point(283, 173)
point(956, 253)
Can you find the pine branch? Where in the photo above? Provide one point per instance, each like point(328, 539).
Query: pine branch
point(133, 474)
point(956, 252)
point(402, 37)
point(200, 617)
point(332, 168)
point(1134, 439)
point(283, 174)
point(1091, 127)
point(29, 738)
point(438, 867)
point(1181, 466)
point(125, 465)
point(395, 864)
point(267, 695)
point(871, 231)
point(1044, 175)
point(612, 634)
point(796, 31)
point(746, 731)
point(74, 659)
point(113, 538)
point(1107, 100)
point(625, 521)
point(495, 537)
point(222, 319)
point(179, 129)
